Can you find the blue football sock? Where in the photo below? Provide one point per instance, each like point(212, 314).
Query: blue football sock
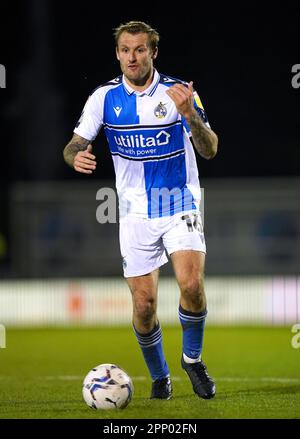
point(151, 345)
point(193, 330)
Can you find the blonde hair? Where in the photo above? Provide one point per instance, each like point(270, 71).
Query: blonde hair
point(136, 27)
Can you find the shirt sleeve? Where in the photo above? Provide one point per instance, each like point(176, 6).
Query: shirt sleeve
point(91, 119)
point(200, 110)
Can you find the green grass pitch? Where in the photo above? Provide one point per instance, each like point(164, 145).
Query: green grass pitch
point(257, 373)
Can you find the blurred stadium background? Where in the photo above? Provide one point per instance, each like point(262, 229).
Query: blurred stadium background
point(58, 265)
point(67, 266)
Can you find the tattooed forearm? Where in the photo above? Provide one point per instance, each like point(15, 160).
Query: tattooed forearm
point(76, 144)
point(205, 140)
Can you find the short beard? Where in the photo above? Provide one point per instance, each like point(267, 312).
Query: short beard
point(139, 82)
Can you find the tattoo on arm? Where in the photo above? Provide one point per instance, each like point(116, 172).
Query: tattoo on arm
point(205, 141)
point(76, 144)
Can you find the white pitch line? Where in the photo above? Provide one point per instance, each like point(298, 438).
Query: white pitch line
point(174, 378)
point(261, 379)
point(177, 378)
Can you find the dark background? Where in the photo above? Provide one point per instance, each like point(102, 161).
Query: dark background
point(239, 57)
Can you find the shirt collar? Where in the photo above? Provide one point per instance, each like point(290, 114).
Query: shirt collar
point(148, 91)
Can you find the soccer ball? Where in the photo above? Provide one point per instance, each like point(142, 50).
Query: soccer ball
point(107, 387)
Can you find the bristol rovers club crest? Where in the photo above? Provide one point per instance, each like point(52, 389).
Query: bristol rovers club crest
point(160, 111)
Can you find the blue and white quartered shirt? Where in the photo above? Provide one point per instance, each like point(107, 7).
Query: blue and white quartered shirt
point(154, 160)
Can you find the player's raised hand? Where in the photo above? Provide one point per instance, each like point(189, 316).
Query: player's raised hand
point(183, 98)
point(85, 161)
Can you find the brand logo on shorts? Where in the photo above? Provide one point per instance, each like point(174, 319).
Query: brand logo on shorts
point(160, 111)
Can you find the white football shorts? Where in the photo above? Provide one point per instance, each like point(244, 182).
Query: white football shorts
point(145, 243)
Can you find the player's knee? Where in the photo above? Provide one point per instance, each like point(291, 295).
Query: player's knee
point(192, 286)
point(192, 291)
point(145, 308)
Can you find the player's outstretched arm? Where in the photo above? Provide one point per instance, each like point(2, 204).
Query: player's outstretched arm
point(78, 155)
point(205, 140)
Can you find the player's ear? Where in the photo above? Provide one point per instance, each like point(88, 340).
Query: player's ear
point(155, 52)
point(117, 54)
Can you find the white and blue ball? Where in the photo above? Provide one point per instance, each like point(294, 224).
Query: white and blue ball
point(107, 387)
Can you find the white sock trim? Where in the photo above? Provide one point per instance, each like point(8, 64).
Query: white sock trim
point(191, 360)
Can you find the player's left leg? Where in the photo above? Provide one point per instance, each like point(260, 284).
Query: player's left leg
point(189, 271)
point(189, 268)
